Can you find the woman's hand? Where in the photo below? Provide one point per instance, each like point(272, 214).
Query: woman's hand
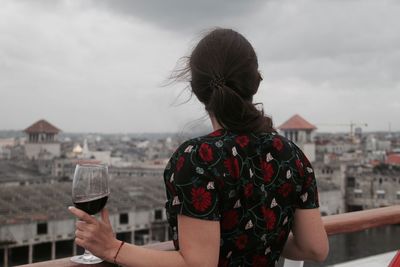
point(95, 235)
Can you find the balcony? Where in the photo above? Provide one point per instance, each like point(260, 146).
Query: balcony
point(334, 225)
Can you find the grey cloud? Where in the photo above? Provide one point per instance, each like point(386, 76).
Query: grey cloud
point(182, 15)
point(71, 61)
point(347, 44)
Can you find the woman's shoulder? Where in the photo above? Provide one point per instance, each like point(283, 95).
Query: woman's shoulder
point(205, 146)
point(194, 142)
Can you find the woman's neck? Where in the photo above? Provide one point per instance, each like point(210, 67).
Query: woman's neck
point(215, 124)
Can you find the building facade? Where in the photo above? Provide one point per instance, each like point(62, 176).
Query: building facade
point(301, 132)
point(42, 141)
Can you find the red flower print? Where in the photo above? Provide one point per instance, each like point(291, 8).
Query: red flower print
point(242, 140)
point(299, 167)
point(241, 242)
point(179, 165)
point(308, 182)
point(285, 189)
point(216, 133)
point(270, 217)
point(201, 198)
point(232, 164)
point(205, 152)
point(248, 190)
point(277, 144)
point(229, 220)
point(259, 261)
point(268, 171)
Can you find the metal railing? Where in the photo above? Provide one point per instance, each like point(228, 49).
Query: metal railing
point(334, 224)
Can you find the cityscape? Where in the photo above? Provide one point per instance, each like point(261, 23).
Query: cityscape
point(355, 170)
point(112, 82)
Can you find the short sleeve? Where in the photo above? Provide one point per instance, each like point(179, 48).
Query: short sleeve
point(307, 193)
point(190, 185)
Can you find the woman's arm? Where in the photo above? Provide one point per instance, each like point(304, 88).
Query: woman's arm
point(308, 240)
point(199, 242)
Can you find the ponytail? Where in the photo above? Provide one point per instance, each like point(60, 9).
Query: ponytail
point(235, 113)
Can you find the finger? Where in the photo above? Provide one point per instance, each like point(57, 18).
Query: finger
point(80, 234)
point(82, 215)
point(79, 242)
point(105, 216)
point(81, 225)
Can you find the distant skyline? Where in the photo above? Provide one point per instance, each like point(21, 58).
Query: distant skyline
point(99, 65)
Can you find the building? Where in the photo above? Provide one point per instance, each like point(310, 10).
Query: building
point(301, 132)
point(330, 196)
point(370, 187)
point(35, 224)
point(42, 141)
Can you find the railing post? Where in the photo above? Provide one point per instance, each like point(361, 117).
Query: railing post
point(30, 253)
point(290, 263)
point(5, 256)
point(53, 250)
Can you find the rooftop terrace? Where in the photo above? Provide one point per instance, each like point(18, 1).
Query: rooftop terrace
point(334, 224)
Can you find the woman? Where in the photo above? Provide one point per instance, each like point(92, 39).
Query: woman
point(242, 195)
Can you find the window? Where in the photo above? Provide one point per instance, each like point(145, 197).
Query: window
point(380, 194)
point(351, 181)
point(41, 228)
point(123, 218)
point(158, 215)
point(358, 193)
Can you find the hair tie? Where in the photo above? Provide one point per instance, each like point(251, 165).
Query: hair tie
point(217, 82)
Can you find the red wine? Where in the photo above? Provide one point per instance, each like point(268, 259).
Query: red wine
point(92, 206)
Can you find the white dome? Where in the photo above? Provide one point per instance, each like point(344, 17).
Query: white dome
point(77, 149)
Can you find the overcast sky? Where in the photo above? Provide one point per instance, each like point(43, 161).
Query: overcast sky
point(99, 65)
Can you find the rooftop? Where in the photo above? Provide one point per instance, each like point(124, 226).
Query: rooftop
point(393, 159)
point(18, 171)
point(42, 126)
point(45, 201)
point(297, 122)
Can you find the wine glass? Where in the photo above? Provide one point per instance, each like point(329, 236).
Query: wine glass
point(90, 193)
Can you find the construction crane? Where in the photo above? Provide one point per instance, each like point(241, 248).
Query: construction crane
point(351, 125)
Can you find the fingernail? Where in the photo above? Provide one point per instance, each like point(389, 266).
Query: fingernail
point(70, 207)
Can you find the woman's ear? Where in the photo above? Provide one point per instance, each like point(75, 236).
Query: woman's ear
point(260, 76)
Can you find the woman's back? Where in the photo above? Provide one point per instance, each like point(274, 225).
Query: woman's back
point(251, 183)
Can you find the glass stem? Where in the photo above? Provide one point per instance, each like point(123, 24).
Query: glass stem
point(87, 255)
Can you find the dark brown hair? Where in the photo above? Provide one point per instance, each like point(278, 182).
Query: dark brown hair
point(224, 76)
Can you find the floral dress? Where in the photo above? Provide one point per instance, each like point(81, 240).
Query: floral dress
point(251, 183)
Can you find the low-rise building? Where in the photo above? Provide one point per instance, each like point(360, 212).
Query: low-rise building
point(42, 140)
point(301, 132)
point(35, 224)
point(370, 186)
